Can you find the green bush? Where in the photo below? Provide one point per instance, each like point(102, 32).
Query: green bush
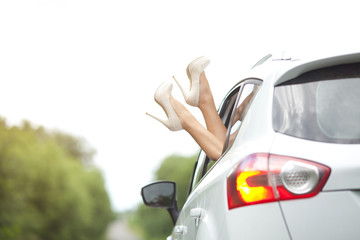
point(48, 187)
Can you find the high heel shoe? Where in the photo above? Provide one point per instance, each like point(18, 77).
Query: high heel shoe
point(162, 97)
point(193, 71)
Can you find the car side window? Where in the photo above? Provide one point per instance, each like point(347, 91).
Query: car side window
point(232, 111)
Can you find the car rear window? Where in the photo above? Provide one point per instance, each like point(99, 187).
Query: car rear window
point(321, 105)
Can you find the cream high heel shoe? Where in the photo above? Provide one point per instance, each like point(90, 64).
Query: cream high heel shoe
point(162, 97)
point(193, 71)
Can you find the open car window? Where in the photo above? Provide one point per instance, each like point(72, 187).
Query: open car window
point(232, 110)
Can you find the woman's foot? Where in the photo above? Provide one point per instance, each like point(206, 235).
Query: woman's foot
point(194, 71)
point(163, 98)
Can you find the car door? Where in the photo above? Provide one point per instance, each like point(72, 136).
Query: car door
point(196, 217)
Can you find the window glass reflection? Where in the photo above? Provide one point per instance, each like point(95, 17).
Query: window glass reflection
point(338, 108)
point(325, 111)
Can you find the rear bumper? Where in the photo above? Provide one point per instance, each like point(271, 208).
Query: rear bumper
point(329, 215)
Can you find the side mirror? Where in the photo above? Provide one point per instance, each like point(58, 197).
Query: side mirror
point(161, 194)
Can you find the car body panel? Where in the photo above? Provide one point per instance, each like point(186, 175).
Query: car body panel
point(329, 215)
point(207, 198)
point(263, 221)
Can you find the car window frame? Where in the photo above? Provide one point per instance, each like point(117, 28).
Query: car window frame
point(254, 81)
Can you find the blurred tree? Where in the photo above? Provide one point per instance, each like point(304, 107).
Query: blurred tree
point(46, 191)
point(75, 147)
point(156, 224)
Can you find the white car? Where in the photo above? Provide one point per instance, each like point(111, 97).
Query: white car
point(292, 171)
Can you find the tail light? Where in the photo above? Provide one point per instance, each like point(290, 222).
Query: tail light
point(262, 178)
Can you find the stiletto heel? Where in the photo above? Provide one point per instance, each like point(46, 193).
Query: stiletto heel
point(162, 97)
point(183, 90)
point(193, 71)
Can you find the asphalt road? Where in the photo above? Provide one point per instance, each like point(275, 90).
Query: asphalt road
point(118, 230)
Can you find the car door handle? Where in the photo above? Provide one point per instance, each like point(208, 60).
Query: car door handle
point(197, 213)
point(180, 229)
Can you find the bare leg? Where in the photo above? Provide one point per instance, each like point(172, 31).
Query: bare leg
point(209, 111)
point(207, 140)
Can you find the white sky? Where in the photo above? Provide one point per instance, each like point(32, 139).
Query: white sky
point(90, 67)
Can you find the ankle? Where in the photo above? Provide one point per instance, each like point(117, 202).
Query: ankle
point(205, 97)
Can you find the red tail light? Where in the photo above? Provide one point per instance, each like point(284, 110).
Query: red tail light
point(262, 178)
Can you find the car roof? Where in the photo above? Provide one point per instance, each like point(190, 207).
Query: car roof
point(279, 70)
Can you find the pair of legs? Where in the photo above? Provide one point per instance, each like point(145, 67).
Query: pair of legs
point(212, 138)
